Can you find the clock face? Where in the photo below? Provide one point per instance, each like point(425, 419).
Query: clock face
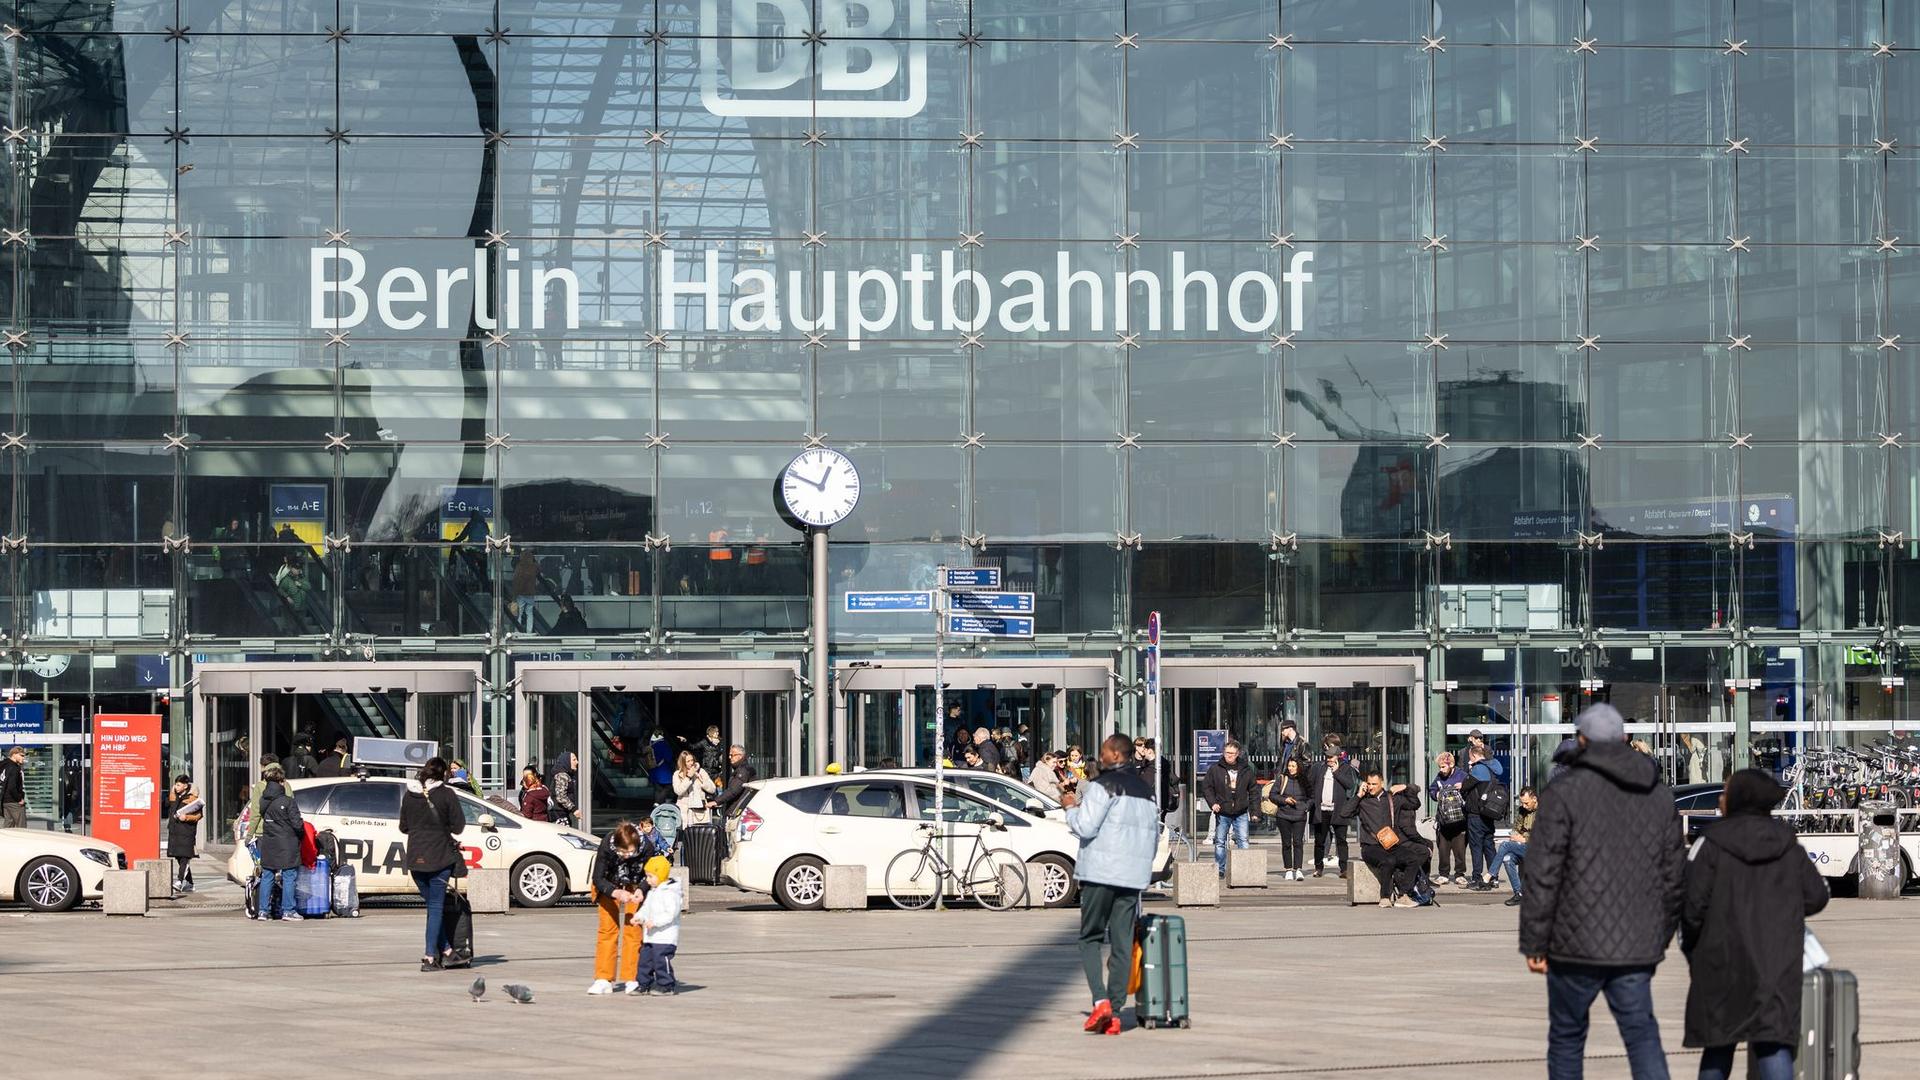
point(820, 487)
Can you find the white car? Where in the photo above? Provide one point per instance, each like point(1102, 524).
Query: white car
point(548, 861)
point(793, 828)
point(52, 871)
point(993, 787)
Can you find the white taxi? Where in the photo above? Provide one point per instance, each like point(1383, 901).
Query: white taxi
point(793, 828)
point(547, 861)
point(52, 871)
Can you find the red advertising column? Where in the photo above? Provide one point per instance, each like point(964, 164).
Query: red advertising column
point(127, 785)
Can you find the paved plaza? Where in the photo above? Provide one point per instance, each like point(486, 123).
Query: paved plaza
point(1283, 985)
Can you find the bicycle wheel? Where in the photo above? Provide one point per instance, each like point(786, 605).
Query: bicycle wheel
point(998, 879)
point(1182, 840)
point(913, 879)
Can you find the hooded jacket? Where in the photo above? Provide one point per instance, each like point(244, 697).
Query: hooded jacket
point(1604, 863)
point(430, 817)
point(612, 870)
point(1230, 787)
point(280, 828)
point(1749, 890)
point(662, 909)
point(1119, 830)
point(1375, 812)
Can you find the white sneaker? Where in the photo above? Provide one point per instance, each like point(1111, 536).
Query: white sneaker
point(632, 989)
point(292, 916)
point(1442, 879)
point(1405, 901)
point(1386, 901)
point(600, 988)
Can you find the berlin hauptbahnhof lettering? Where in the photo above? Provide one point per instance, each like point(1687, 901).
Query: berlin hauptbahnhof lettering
point(948, 295)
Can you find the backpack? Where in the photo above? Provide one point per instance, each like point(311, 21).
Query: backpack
point(1423, 893)
point(1494, 799)
point(1453, 806)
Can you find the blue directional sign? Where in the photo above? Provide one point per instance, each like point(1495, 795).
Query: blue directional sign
point(990, 625)
point(973, 577)
point(858, 602)
point(1001, 603)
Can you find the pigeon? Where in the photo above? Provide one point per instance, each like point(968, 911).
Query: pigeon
point(478, 989)
point(521, 994)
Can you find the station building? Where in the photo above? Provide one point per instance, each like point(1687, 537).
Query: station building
point(425, 369)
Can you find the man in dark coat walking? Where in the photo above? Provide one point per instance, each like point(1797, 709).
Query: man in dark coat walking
point(1749, 890)
point(1604, 868)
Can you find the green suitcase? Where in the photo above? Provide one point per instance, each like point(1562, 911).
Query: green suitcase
point(1162, 1000)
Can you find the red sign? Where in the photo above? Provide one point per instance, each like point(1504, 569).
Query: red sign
point(128, 787)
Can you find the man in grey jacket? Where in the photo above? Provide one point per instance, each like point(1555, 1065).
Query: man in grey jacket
point(1119, 828)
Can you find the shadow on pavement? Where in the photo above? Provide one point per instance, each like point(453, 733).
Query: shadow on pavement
point(957, 1030)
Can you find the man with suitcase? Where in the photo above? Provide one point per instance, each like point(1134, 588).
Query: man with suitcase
point(1118, 826)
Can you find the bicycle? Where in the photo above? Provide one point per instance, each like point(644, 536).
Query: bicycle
point(996, 877)
point(1177, 838)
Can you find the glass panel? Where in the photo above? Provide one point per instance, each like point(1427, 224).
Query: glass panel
point(224, 719)
point(1493, 393)
point(1046, 493)
point(1659, 96)
point(1204, 492)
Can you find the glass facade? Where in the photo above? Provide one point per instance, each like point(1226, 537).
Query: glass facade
point(368, 329)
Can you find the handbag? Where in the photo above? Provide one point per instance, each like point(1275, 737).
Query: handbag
point(1385, 836)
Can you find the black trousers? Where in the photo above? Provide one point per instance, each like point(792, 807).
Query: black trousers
point(1397, 868)
point(1329, 837)
point(1107, 917)
point(1453, 850)
point(1293, 836)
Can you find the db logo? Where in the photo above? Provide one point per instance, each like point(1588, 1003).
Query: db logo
point(778, 63)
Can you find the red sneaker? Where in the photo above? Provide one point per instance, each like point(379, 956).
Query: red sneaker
point(1102, 1013)
point(1113, 1026)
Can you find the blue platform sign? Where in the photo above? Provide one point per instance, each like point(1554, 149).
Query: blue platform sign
point(1209, 746)
point(23, 718)
point(1000, 603)
point(990, 625)
point(858, 602)
point(973, 577)
point(298, 502)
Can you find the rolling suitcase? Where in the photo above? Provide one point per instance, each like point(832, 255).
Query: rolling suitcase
point(1829, 1026)
point(313, 891)
point(346, 893)
point(702, 853)
point(459, 921)
point(1162, 998)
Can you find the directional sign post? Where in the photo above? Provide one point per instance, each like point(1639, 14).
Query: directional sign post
point(961, 603)
point(967, 625)
point(1153, 698)
point(863, 603)
point(999, 603)
point(971, 577)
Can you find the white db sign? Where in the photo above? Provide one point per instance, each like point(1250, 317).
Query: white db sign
point(778, 63)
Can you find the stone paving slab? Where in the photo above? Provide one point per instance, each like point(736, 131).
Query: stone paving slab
point(1304, 991)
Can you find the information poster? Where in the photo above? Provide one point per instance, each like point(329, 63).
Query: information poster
point(1209, 745)
point(127, 785)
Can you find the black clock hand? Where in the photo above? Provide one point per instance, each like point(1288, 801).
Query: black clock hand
point(821, 483)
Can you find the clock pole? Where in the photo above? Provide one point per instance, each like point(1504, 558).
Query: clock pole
point(824, 715)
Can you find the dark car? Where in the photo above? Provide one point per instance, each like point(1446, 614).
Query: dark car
point(1699, 806)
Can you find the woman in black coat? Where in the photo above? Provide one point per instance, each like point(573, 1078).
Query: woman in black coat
point(184, 811)
point(1749, 890)
point(281, 831)
point(430, 817)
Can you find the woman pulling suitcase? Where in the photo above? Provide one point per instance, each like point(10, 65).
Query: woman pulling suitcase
point(430, 817)
point(1749, 890)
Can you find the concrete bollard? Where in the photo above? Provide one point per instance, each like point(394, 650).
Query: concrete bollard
point(159, 877)
point(684, 876)
point(1036, 885)
point(1195, 884)
point(488, 890)
point(1362, 886)
point(1247, 869)
point(124, 892)
point(844, 888)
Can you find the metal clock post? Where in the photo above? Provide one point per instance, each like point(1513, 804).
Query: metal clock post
point(817, 490)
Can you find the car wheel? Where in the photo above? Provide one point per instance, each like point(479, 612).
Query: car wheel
point(1056, 884)
point(49, 884)
point(538, 881)
point(801, 884)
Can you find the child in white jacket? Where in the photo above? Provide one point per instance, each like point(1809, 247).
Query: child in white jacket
point(660, 917)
